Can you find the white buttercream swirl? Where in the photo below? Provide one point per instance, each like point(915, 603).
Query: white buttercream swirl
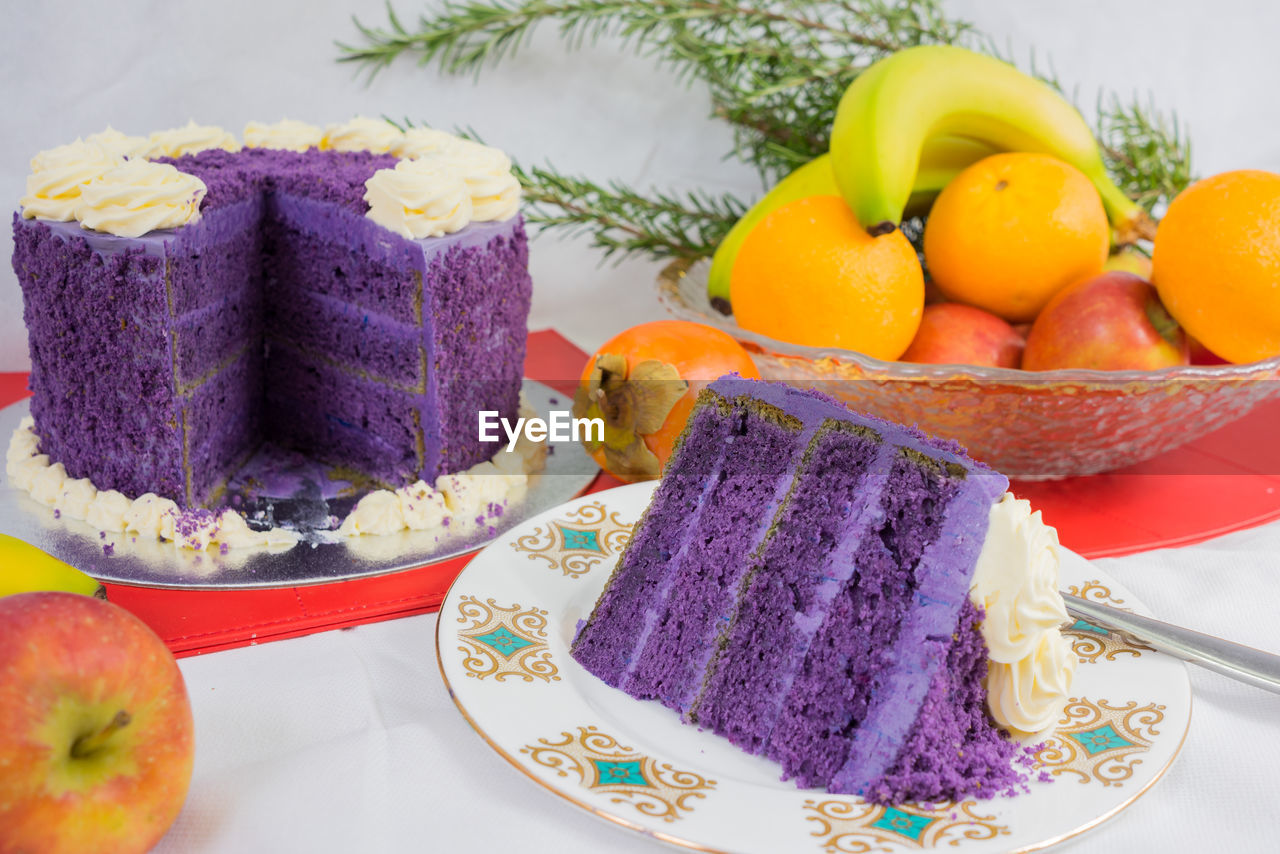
point(462, 502)
point(421, 142)
point(285, 135)
point(458, 502)
point(191, 138)
point(418, 199)
point(138, 197)
point(1016, 585)
point(362, 134)
point(59, 175)
point(120, 143)
point(1029, 694)
point(148, 515)
point(494, 190)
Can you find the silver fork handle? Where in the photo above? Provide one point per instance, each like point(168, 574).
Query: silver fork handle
point(1237, 661)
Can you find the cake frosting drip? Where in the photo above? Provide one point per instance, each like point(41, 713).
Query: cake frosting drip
point(419, 198)
point(191, 138)
point(59, 175)
point(285, 135)
point(1016, 585)
point(362, 134)
point(137, 197)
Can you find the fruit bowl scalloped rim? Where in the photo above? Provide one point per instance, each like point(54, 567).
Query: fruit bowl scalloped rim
point(672, 274)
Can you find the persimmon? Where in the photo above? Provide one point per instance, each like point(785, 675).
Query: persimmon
point(643, 383)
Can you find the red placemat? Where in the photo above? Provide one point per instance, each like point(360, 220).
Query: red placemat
point(1224, 482)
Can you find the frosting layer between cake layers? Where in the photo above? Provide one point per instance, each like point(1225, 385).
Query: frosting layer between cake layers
point(800, 585)
point(160, 362)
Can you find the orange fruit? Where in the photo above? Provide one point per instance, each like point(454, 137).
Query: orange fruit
point(810, 274)
point(1012, 230)
point(1216, 263)
point(643, 383)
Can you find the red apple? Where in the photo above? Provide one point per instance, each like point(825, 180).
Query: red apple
point(1202, 355)
point(1111, 322)
point(955, 334)
point(96, 743)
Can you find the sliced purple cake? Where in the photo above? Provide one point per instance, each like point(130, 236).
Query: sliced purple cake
point(283, 313)
point(800, 584)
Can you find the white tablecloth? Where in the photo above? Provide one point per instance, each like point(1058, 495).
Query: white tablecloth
point(348, 741)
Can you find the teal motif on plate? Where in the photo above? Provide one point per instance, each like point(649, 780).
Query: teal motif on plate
point(627, 773)
point(505, 641)
point(1103, 738)
point(587, 541)
point(902, 823)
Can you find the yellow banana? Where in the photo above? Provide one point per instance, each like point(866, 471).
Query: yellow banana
point(26, 569)
point(943, 157)
point(890, 111)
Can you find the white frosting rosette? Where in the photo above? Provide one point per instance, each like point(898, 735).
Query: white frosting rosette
point(138, 197)
point(419, 198)
point(191, 138)
point(59, 175)
point(1016, 584)
point(362, 134)
point(285, 135)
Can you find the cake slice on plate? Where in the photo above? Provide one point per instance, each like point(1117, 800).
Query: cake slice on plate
point(801, 585)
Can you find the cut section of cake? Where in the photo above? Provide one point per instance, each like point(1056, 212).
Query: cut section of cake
point(800, 584)
point(162, 358)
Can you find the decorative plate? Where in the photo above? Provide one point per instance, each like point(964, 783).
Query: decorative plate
point(503, 638)
point(568, 472)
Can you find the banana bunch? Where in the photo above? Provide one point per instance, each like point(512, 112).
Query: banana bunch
point(911, 122)
point(26, 569)
point(887, 115)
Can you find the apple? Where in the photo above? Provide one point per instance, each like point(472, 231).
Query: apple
point(955, 334)
point(1129, 260)
point(96, 741)
point(1110, 322)
point(1202, 355)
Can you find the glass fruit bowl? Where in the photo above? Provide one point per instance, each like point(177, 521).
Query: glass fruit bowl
point(1027, 424)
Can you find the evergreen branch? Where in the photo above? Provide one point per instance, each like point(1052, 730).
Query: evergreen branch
point(623, 220)
point(775, 71)
point(1147, 152)
point(788, 61)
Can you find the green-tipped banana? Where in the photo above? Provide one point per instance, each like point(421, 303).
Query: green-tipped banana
point(26, 569)
point(889, 112)
point(942, 159)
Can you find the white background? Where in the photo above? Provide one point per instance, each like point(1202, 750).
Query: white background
point(69, 69)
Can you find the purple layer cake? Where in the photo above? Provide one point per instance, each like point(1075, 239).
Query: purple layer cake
point(799, 585)
point(159, 363)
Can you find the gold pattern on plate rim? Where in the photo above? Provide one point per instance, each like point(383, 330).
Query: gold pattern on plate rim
point(1099, 741)
point(519, 765)
point(857, 827)
point(504, 641)
point(602, 764)
point(1091, 643)
point(577, 542)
